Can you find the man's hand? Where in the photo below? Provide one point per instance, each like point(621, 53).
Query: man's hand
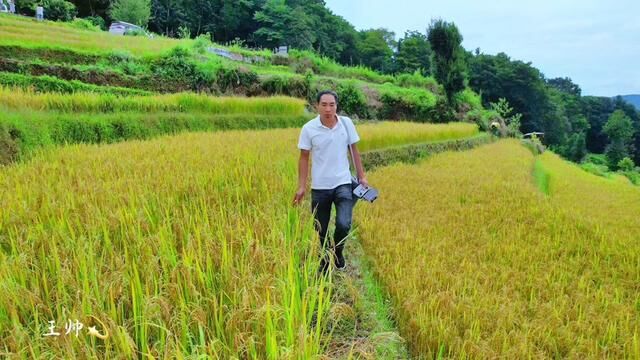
point(363, 181)
point(299, 195)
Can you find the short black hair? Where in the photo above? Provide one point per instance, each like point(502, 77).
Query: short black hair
point(327, 92)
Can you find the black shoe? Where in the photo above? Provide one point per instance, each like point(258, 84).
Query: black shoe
point(324, 266)
point(340, 263)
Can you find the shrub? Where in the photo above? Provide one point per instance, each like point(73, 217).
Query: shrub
point(59, 10)
point(296, 86)
point(626, 164)
point(97, 21)
point(416, 80)
point(411, 104)
point(352, 100)
point(85, 24)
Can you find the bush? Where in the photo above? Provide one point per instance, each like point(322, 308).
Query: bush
point(417, 80)
point(470, 98)
point(27, 7)
point(177, 65)
point(135, 32)
point(132, 11)
point(482, 117)
point(290, 85)
point(59, 10)
point(97, 21)
point(633, 176)
point(408, 104)
point(201, 43)
point(352, 101)
point(595, 169)
point(85, 24)
point(597, 159)
point(228, 79)
point(626, 164)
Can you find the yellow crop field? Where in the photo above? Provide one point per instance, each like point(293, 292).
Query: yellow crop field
point(481, 264)
point(177, 246)
point(18, 99)
point(612, 205)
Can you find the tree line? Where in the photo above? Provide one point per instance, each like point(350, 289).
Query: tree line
point(573, 124)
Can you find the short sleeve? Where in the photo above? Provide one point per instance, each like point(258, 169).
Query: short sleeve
point(304, 142)
point(353, 133)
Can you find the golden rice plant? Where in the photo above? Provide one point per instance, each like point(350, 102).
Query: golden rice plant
point(14, 98)
point(389, 134)
point(480, 264)
point(180, 246)
point(609, 204)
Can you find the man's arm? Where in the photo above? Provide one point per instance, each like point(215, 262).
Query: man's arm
point(358, 164)
point(303, 174)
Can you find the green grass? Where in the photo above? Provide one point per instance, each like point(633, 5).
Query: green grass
point(541, 177)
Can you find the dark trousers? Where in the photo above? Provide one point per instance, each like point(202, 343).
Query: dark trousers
point(321, 203)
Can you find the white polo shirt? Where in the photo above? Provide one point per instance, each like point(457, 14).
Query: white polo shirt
point(329, 151)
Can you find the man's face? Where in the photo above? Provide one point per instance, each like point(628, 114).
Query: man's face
point(327, 106)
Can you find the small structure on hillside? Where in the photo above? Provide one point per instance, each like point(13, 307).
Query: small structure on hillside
point(121, 27)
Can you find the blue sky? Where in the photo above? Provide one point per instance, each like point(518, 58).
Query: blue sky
point(595, 43)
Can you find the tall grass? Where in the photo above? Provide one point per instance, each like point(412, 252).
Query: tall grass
point(28, 32)
point(182, 102)
point(480, 264)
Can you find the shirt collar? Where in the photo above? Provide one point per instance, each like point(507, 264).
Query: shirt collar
point(320, 125)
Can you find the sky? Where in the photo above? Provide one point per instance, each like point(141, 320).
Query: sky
point(595, 43)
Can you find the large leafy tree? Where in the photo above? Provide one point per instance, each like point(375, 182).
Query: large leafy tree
point(448, 62)
point(620, 131)
point(414, 53)
point(274, 20)
point(497, 76)
point(375, 49)
point(133, 11)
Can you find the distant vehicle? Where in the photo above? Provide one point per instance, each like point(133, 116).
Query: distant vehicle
point(3, 8)
point(121, 28)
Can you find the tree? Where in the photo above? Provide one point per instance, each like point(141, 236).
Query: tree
point(508, 121)
point(375, 50)
point(497, 76)
point(132, 11)
point(565, 85)
point(448, 64)
point(92, 7)
point(59, 10)
point(619, 129)
point(413, 54)
point(274, 20)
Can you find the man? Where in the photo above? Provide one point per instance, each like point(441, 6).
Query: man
point(39, 12)
point(327, 138)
